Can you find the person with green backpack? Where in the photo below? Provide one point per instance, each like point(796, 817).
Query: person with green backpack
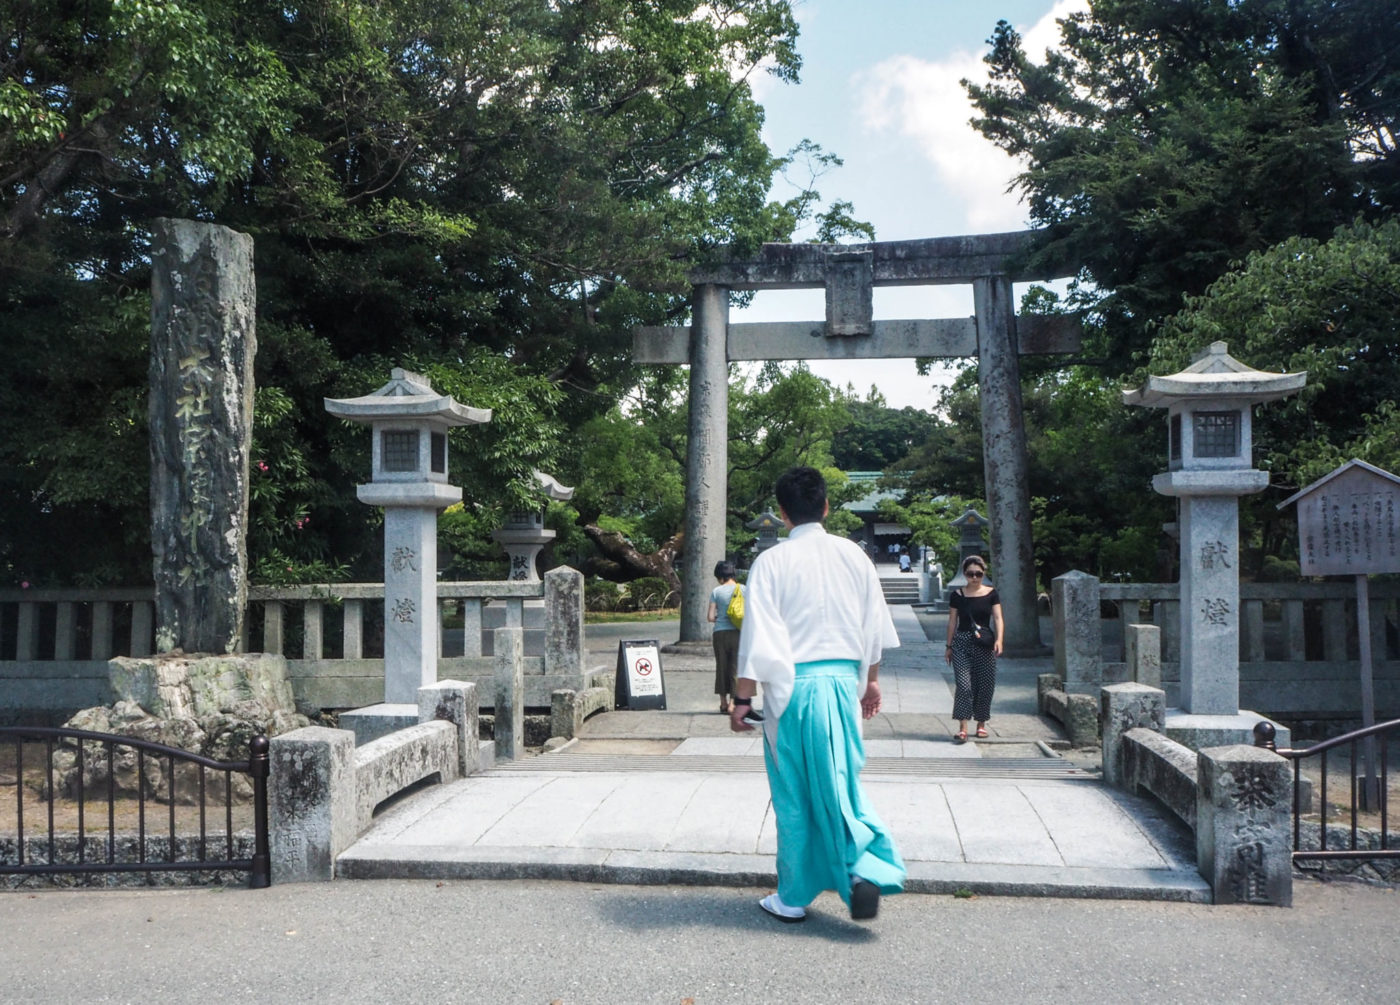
point(727, 614)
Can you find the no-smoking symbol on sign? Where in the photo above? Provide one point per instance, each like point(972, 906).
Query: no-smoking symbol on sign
point(643, 667)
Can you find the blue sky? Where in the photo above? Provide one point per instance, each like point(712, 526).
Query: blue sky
point(879, 87)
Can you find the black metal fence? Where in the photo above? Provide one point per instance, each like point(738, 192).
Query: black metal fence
point(1349, 841)
point(47, 853)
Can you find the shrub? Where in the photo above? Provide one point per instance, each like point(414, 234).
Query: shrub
point(648, 593)
point(601, 595)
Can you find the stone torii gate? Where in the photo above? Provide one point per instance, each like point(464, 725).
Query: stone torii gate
point(994, 335)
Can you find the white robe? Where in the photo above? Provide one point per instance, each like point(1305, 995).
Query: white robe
point(812, 597)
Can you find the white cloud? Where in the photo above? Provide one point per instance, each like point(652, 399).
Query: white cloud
point(924, 101)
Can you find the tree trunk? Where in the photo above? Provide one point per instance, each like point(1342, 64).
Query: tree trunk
point(616, 549)
point(49, 181)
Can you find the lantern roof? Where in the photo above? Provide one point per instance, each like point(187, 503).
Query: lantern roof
point(408, 395)
point(971, 518)
point(765, 521)
point(551, 488)
point(1215, 374)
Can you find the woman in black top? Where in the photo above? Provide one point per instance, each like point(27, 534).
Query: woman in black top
point(974, 666)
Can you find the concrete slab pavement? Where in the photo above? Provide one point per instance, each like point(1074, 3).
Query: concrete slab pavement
point(673, 797)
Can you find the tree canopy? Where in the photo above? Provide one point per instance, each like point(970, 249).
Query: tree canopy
point(1164, 142)
point(1218, 170)
point(491, 192)
point(628, 464)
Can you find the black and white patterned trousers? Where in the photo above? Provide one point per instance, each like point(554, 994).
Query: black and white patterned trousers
point(974, 678)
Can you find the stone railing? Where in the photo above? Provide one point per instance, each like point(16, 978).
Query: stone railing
point(1299, 656)
point(55, 644)
point(324, 790)
point(1237, 799)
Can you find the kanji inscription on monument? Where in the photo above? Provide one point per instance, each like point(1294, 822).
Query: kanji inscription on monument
point(201, 416)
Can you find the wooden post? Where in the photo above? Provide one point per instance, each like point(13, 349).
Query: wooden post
point(1370, 789)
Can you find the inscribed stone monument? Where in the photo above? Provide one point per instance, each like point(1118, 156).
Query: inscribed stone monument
point(201, 416)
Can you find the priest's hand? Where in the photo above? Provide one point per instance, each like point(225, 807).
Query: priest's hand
point(736, 719)
point(870, 701)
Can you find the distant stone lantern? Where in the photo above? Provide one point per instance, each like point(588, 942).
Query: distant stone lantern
point(1209, 451)
point(767, 525)
point(408, 478)
point(969, 526)
point(524, 533)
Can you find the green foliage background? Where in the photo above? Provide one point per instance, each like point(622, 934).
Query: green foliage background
point(495, 193)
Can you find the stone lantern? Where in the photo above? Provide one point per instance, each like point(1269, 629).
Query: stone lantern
point(767, 525)
point(1209, 466)
point(409, 421)
point(969, 526)
point(524, 533)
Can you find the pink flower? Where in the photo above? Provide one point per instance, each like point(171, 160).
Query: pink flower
point(24, 585)
point(262, 465)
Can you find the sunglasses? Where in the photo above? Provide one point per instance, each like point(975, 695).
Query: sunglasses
point(974, 574)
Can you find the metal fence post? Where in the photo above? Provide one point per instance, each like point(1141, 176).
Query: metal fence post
point(259, 766)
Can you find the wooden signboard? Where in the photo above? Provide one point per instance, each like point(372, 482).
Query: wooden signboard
point(640, 684)
point(1349, 522)
point(1349, 525)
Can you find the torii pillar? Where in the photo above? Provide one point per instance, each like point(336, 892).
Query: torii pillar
point(995, 336)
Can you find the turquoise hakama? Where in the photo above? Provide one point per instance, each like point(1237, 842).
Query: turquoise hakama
point(827, 830)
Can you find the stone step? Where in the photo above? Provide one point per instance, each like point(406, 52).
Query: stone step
point(588, 865)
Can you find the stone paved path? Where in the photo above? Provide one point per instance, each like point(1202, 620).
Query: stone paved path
point(673, 797)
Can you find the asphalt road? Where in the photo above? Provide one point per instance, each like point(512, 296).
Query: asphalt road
point(541, 942)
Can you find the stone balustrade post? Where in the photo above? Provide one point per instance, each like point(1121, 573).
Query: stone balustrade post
point(1078, 657)
point(454, 701)
point(1243, 825)
point(1124, 707)
point(1142, 645)
point(311, 802)
point(510, 693)
point(563, 623)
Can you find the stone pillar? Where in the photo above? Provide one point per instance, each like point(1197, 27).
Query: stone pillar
point(1252, 630)
point(707, 457)
point(510, 693)
point(311, 802)
point(1078, 658)
point(1142, 646)
point(201, 419)
point(1123, 707)
point(1210, 605)
point(1004, 462)
point(1243, 825)
point(410, 602)
point(1166, 615)
point(563, 623)
point(454, 701)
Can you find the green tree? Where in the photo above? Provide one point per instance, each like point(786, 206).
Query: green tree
point(784, 416)
point(1166, 141)
point(879, 438)
point(930, 523)
point(500, 188)
point(1163, 146)
point(629, 465)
